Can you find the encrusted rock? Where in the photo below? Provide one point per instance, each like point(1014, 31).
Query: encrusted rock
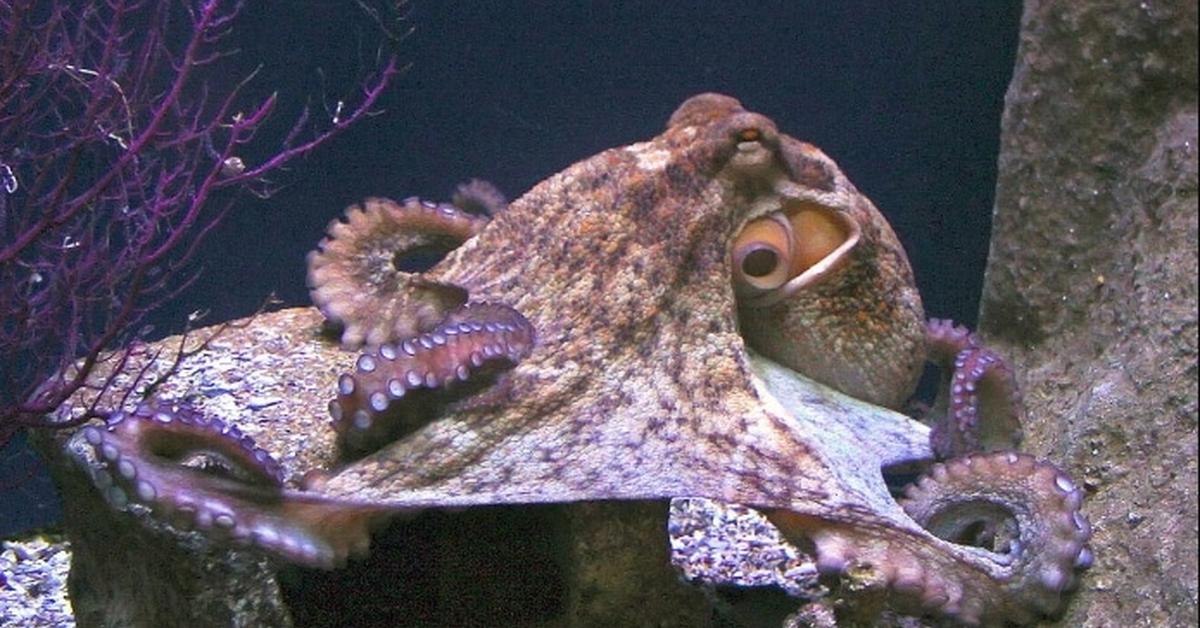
point(33, 582)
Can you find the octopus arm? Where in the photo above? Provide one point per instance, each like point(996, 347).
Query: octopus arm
point(204, 475)
point(200, 473)
point(1002, 539)
point(370, 407)
point(979, 405)
point(358, 276)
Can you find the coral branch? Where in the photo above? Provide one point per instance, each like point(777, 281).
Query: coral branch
point(115, 160)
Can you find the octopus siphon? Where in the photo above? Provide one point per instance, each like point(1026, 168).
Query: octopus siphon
point(716, 312)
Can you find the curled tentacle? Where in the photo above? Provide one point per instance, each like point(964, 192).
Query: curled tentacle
point(979, 405)
point(1014, 537)
point(1025, 511)
point(202, 474)
point(359, 275)
point(365, 413)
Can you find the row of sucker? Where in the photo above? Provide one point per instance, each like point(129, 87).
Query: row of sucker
point(356, 278)
point(1034, 503)
point(1031, 509)
point(470, 338)
point(979, 394)
point(202, 474)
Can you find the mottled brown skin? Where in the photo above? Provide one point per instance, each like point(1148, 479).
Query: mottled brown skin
point(640, 384)
point(639, 354)
point(861, 328)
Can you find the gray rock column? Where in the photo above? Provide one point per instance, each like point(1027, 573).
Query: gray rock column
point(1091, 285)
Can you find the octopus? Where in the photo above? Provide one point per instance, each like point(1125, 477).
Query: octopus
point(716, 312)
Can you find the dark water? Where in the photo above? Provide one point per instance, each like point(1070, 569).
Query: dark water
point(906, 97)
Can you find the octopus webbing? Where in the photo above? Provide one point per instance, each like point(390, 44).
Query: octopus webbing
point(716, 312)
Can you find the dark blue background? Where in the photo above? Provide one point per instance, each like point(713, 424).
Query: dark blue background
point(905, 96)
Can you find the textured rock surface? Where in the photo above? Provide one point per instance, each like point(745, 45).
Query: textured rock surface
point(1091, 285)
point(33, 582)
point(715, 543)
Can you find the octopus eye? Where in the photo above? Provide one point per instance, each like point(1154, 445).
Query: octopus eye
point(773, 255)
point(762, 254)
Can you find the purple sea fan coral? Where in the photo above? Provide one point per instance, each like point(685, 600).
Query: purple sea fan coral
point(116, 158)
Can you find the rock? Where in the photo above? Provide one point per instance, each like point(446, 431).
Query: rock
point(33, 582)
point(715, 543)
point(1091, 285)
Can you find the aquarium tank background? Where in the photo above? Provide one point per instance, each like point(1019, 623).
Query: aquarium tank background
point(905, 97)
